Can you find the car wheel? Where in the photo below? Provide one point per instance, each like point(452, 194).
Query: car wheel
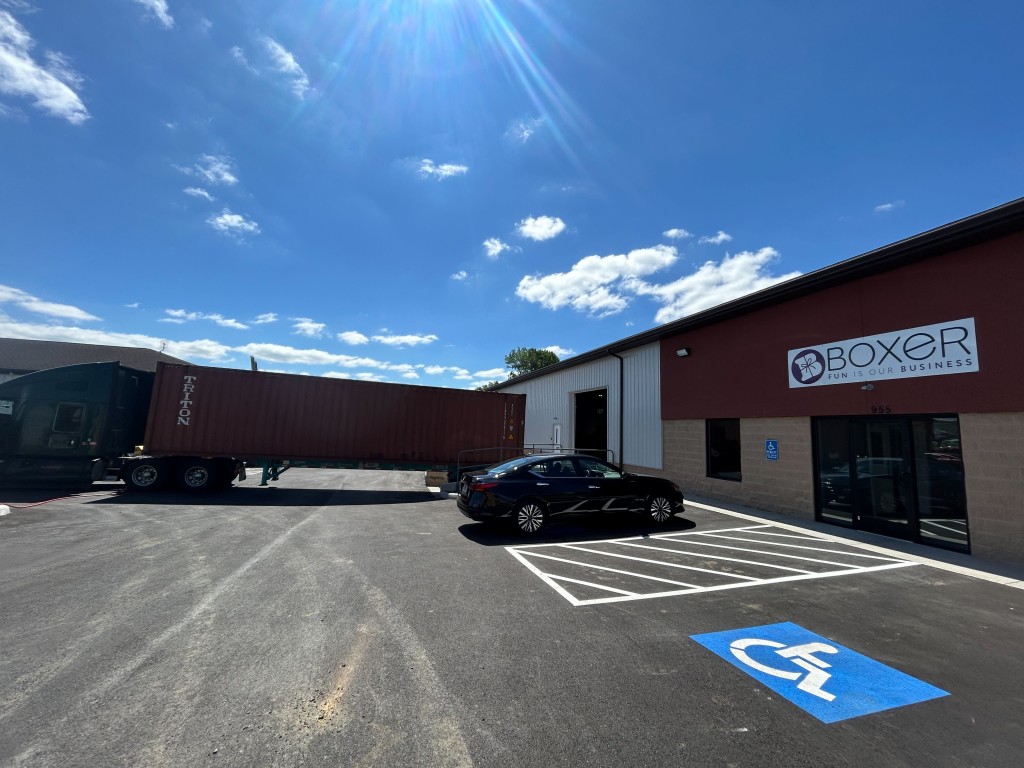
point(197, 475)
point(530, 517)
point(659, 509)
point(144, 474)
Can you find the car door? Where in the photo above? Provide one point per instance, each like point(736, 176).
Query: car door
point(608, 489)
point(557, 483)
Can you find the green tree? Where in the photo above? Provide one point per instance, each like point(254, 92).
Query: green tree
point(526, 359)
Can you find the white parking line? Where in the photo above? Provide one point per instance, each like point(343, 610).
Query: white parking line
point(614, 570)
point(975, 573)
point(655, 562)
point(757, 552)
point(718, 557)
point(554, 567)
point(794, 546)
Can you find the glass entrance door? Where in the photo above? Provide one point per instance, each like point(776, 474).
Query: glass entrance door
point(882, 477)
point(896, 475)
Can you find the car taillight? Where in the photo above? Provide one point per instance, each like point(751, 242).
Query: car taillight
point(482, 486)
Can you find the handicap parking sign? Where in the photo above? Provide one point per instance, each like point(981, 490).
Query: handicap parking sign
point(824, 678)
point(771, 450)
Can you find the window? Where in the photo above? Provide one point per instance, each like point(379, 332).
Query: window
point(723, 442)
point(594, 468)
point(69, 418)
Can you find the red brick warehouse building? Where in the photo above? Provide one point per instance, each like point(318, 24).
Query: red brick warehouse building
point(882, 393)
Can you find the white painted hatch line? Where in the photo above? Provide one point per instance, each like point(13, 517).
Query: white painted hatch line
point(792, 546)
point(721, 557)
point(612, 570)
point(662, 562)
point(762, 552)
point(532, 555)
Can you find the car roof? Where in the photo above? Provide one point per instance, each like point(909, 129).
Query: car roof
point(559, 456)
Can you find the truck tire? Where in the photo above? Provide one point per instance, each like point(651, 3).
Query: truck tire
point(196, 475)
point(145, 474)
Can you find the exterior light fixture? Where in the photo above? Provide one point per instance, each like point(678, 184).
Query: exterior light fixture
point(867, 387)
point(683, 352)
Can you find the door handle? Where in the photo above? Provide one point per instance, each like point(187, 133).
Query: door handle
point(542, 483)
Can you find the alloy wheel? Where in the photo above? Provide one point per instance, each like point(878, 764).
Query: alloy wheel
point(660, 509)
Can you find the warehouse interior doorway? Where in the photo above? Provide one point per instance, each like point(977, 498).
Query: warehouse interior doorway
point(900, 476)
point(591, 422)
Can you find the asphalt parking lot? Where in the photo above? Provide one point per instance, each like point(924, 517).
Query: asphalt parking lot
point(355, 618)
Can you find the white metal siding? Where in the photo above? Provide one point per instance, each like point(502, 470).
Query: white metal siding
point(550, 401)
point(642, 401)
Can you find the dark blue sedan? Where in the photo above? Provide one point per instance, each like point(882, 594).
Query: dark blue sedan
point(529, 490)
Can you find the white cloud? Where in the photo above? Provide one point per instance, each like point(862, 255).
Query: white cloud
point(158, 9)
point(200, 349)
point(494, 247)
point(405, 341)
point(50, 86)
point(443, 171)
point(214, 169)
point(712, 284)
point(198, 192)
point(239, 55)
point(887, 207)
point(460, 275)
point(438, 370)
point(521, 131)
point(30, 303)
point(178, 316)
point(367, 376)
point(540, 227)
point(562, 352)
point(227, 322)
point(266, 317)
point(352, 337)
point(235, 224)
point(181, 316)
point(491, 374)
point(284, 62)
point(676, 234)
point(594, 284)
point(305, 326)
point(716, 239)
point(278, 353)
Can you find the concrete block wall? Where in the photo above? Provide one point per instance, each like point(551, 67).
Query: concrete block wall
point(993, 453)
point(785, 486)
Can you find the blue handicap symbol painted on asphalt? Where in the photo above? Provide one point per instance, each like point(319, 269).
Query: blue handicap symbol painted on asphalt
point(826, 679)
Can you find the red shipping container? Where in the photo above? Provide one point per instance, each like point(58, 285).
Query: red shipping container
point(203, 411)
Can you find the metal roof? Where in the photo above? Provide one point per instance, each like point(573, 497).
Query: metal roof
point(29, 355)
point(988, 225)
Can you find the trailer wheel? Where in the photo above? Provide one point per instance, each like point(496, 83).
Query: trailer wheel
point(197, 474)
point(144, 474)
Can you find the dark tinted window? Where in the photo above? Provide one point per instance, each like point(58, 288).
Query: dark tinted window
point(594, 468)
point(69, 418)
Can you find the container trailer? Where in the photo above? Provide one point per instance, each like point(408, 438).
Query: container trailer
point(199, 427)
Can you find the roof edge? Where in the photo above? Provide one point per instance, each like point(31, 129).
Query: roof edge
point(987, 225)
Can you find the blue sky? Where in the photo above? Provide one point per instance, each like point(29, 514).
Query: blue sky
point(406, 190)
